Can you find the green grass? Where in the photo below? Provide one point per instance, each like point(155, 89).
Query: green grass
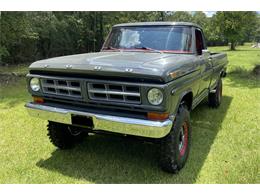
point(244, 58)
point(225, 141)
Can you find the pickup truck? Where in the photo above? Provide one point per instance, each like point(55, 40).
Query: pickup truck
point(144, 82)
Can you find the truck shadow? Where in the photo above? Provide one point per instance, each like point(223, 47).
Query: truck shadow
point(112, 159)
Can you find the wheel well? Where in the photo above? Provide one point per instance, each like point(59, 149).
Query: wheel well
point(223, 73)
point(187, 99)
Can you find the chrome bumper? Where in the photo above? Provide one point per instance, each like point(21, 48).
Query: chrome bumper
point(123, 125)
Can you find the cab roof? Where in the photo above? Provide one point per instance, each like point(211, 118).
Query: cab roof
point(157, 24)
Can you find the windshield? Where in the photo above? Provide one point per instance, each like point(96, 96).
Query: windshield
point(175, 39)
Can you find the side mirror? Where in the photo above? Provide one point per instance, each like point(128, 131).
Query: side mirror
point(206, 53)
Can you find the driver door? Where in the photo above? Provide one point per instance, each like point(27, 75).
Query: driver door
point(204, 62)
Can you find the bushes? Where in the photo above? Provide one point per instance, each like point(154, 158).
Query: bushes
point(30, 36)
point(17, 37)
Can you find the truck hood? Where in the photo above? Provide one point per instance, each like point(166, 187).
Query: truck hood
point(130, 64)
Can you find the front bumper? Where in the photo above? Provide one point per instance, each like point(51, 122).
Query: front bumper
point(123, 125)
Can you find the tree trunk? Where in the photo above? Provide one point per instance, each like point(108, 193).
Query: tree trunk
point(101, 30)
point(232, 46)
point(94, 30)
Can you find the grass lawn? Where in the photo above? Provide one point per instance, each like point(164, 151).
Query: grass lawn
point(225, 141)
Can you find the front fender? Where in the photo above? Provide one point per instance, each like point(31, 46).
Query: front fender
point(180, 97)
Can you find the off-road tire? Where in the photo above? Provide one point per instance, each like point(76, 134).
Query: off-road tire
point(60, 135)
point(172, 158)
point(214, 99)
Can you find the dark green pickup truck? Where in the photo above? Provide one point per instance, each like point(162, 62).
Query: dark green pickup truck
point(145, 81)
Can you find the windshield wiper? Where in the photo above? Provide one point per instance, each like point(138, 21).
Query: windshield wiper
point(142, 47)
point(148, 48)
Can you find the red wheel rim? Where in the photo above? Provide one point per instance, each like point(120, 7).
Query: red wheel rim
point(183, 139)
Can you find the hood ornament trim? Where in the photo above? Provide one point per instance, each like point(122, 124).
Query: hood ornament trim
point(68, 66)
point(97, 68)
point(128, 70)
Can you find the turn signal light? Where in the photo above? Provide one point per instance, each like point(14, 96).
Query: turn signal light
point(157, 116)
point(38, 100)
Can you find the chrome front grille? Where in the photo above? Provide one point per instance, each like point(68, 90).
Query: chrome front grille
point(114, 92)
point(61, 87)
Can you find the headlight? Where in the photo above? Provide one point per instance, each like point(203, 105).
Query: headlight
point(35, 84)
point(155, 96)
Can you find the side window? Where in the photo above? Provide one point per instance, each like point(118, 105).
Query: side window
point(199, 42)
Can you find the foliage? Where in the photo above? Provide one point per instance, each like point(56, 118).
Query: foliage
point(17, 37)
point(256, 34)
point(236, 26)
point(29, 36)
point(201, 19)
point(180, 16)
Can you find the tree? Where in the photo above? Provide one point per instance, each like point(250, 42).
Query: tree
point(30, 36)
point(235, 25)
point(17, 38)
point(200, 18)
point(256, 35)
point(180, 16)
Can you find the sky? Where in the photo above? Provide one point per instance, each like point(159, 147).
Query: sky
point(210, 13)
